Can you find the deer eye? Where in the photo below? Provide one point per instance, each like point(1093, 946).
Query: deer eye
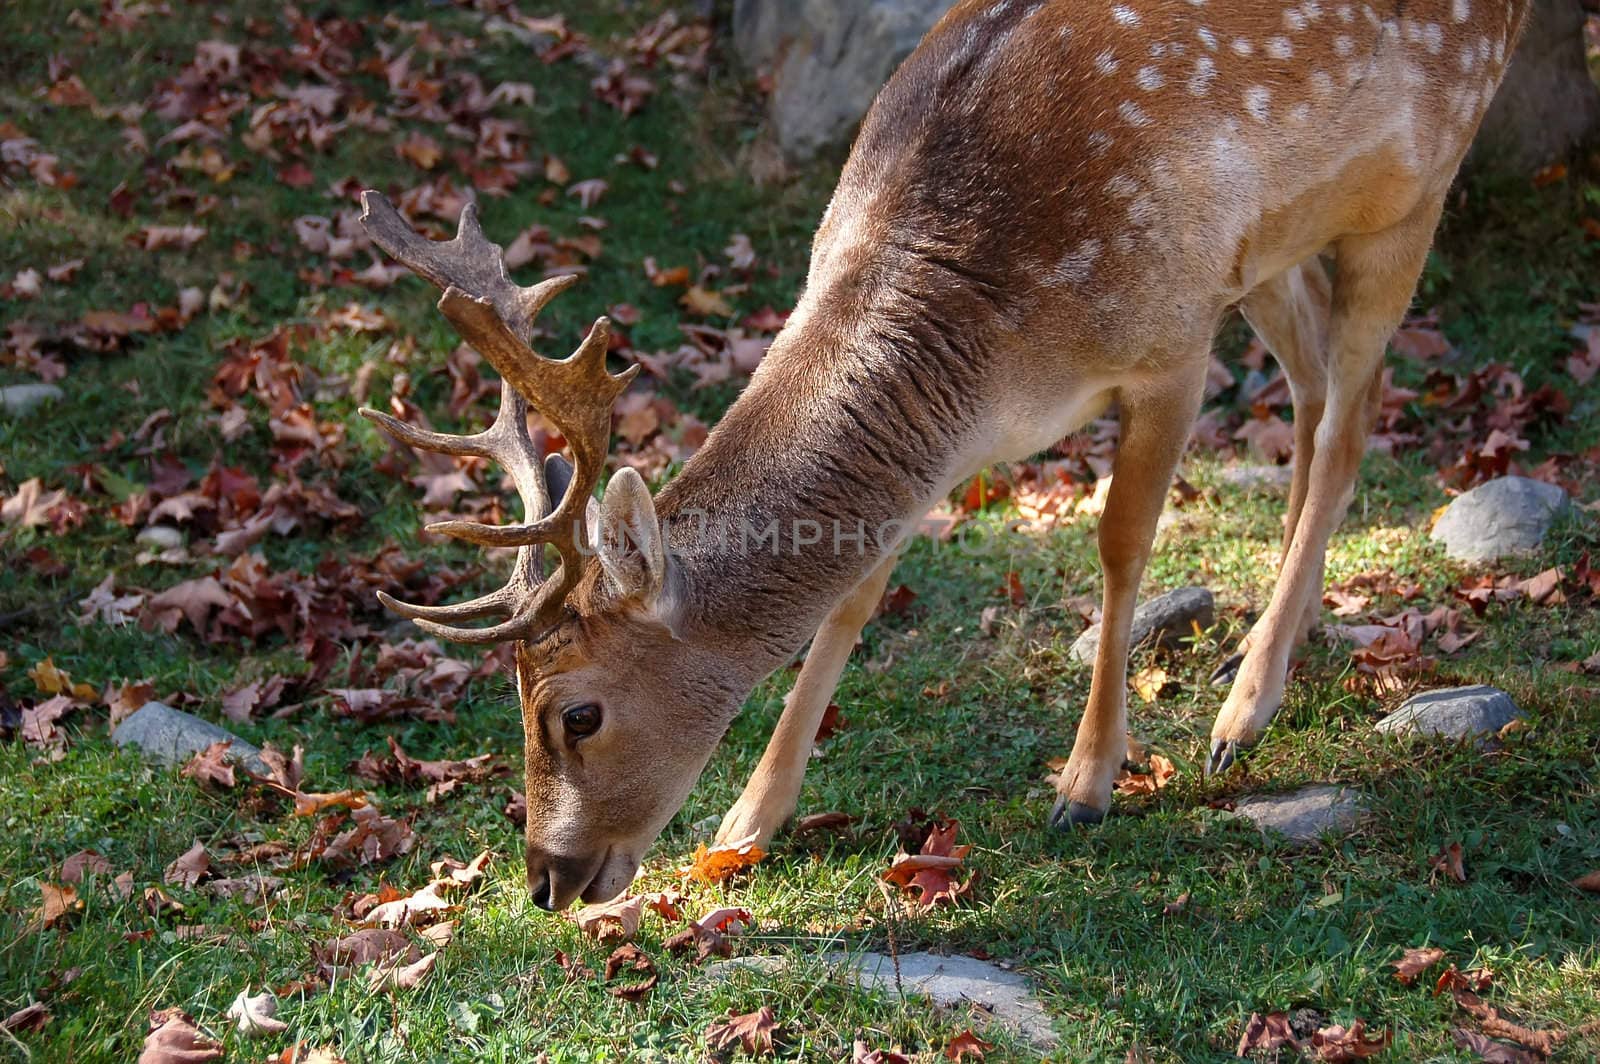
point(581, 720)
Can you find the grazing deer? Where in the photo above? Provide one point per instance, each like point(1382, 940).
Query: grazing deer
point(1050, 207)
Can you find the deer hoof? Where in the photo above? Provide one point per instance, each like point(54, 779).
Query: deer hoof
point(1224, 674)
point(1223, 754)
point(1067, 815)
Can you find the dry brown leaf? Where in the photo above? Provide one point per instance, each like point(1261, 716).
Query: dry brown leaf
point(1414, 962)
point(1589, 881)
point(56, 905)
point(966, 1044)
point(30, 1019)
point(212, 766)
point(1448, 861)
point(402, 976)
point(1266, 1033)
point(83, 863)
point(753, 1031)
point(1162, 770)
point(189, 869)
point(630, 958)
point(1338, 1043)
point(929, 872)
point(831, 822)
point(1490, 1050)
point(174, 1039)
point(616, 919)
point(718, 864)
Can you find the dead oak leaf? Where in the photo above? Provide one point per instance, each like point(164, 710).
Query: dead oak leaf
point(1489, 1050)
point(630, 958)
point(966, 1044)
point(1448, 862)
point(1338, 1043)
point(717, 864)
point(84, 863)
point(402, 976)
point(930, 872)
point(56, 904)
point(752, 1031)
point(616, 919)
point(1266, 1033)
point(190, 868)
point(211, 766)
point(174, 1039)
point(1414, 962)
point(1162, 770)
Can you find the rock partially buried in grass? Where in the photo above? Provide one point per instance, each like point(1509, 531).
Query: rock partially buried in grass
point(1454, 712)
point(20, 399)
point(1165, 619)
point(1247, 477)
point(1305, 815)
point(949, 982)
point(1508, 515)
point(170, 737)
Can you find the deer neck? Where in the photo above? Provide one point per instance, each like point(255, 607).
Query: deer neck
point(841, 442)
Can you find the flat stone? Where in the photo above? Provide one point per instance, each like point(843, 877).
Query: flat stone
point(949, 982)
point(20, 399)
point(1165, 619)
point(828, 58)
point(1246, 477)
point(1304, 815)
point(1507, 515)
point(1454, 712)
point(170, 737)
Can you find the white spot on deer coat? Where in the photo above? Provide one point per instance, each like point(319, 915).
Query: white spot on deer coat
point(1149, 79)
point(1257, 101)
point(1433, 38)
point(1122, 186)
point(1279, 47)
point(1125, 15)
point(1207, 38)
point(1100, 142)
point(1321, 83)
point(1106, 63)
point(1294, 20)
point(1343, 46)
point(1076, 265)
point(1243, 47)
point(1460, 10)
point(1200, 81)
point(1132, 113)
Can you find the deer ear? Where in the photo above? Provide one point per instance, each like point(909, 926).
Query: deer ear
point(629, 542)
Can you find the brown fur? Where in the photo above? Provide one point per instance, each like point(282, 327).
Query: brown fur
point(1050, 206)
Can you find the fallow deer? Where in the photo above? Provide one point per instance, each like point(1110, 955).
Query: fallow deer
point(1050, 207)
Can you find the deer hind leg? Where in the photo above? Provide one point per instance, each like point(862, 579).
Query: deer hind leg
point(1290, 315)
point(769, 798)
point(1375, 279)
point(1156, 419)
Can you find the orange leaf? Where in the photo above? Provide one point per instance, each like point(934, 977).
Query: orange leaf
point(720, 863)
point(966, 1044)
point(1415, 962)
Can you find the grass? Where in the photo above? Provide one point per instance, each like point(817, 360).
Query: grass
point(1267, 928)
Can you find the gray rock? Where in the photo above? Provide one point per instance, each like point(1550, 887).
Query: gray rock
point(20, 399)
point(1454, 712)
point(1508, 515)
point(829, 59)
point(1305, 815)
point(161, 537)
point(170, 737)
point(1165, 619)
point(949, 982)
point(1247, 477)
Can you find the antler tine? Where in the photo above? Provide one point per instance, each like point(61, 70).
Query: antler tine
point(576, 394)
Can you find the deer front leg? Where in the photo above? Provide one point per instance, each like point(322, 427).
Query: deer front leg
point(1155, 427)
point(774, 788)
point(1376, 277)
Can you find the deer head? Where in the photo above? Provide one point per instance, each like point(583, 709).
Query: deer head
point(619, 715)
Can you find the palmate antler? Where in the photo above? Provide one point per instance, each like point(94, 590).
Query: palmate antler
point(496, 317)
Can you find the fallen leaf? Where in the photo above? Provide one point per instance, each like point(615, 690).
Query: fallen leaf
point(1176, 905)
point(368, 946)
point(57, 903)
point(616, 919)
point(1542, 1042)
point(631, 958)
point(1448, 861)
point(402, 976)
point(1339, 1043)
point(966, 1044)
point(211, 765)
point(752, 1030)
point(1266, 1033)
point(1162, 770)
point(861, 1053)
point(189, 869)
point(717, 864)
point(1589, 881)
point(834, 822)
point(30, 1019)
point(1489, 1050)
point(1149, 682)
point(1475, 979)
point(174, 1039)
point(82, 863)
point(574, 967)
point(930, 872)
point(254, 1017)
point(1414, 962)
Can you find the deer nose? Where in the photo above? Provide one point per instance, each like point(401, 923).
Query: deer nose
point(554, 881)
